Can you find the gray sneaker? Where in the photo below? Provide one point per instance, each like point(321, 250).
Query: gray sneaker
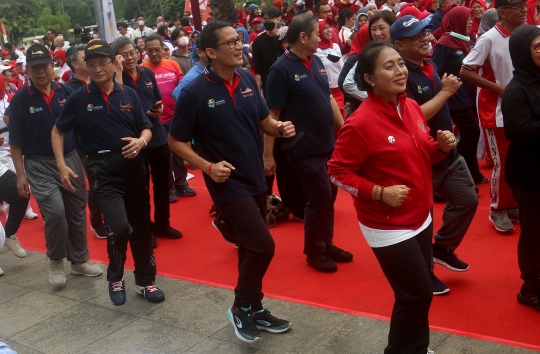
point(513, 215)
point(86, 269)
point(429, 351)
point(1, 272)
point(56, 272)
point(14, 246)
point(500, 219)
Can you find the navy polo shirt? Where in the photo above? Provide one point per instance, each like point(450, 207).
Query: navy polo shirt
point(74, 84)
point(224, 119)
point(101, 121)
point(422, 89)
point(301, 90)
point(32, 117)
point(146, 87)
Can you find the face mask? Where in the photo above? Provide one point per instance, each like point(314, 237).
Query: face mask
point(95, 36)
point(184, 41)
point(141, 23)
point(269, 25)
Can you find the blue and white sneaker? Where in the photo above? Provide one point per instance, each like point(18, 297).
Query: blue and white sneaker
point(244, 326)
point(117, 292)
point(151, 293)
point(266, 322)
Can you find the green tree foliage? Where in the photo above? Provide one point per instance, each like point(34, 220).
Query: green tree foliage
point(19, 16)
point(80, 11)
point(60, 22)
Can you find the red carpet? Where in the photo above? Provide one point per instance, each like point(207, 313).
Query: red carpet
point(481, 304)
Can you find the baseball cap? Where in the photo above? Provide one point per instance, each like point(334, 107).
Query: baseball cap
point(38, 54)
point(499, 3)
point(4, 68)
point(5, 52)
point(413, 11)
point(300, 3)
point(407, 26)
point(257, 20)
point(253, 6)
point(21, 60)
point(98, 47)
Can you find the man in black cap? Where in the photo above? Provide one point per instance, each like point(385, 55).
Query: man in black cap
point(33, 111)
point(113, 128)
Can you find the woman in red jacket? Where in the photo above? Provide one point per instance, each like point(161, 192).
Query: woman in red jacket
point(383, 157)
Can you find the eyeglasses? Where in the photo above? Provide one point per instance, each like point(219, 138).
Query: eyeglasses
point(231, 42)
point(131, 53)
point(516, 7)
point(420, 35)
point(536, 48)
point(101, 64)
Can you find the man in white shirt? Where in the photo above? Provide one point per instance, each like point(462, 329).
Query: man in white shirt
point(122, 28)
point(141, 30)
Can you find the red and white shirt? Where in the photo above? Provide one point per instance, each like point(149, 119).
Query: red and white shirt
point(492, 56)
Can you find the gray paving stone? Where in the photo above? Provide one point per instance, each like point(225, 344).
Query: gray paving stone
point(208, 305)
point(139, 306)
point(19, 348)
point(464, 345)
point(219, 346)
point(145, 336)
point(10, 291)
point(29, 309)
point(76, 328)
point(11, 263)
point(77, 287)
point(309, 326)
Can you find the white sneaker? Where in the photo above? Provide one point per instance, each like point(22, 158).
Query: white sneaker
point(56, 272)
point(14, 246)
point(30, 215)
point(86, 269)
point(1, 272)
point(429, 351)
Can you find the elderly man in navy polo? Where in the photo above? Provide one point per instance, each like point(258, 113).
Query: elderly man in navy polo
point(113, 128)
point(223, 111)
point(33, 111)
point(298, 90)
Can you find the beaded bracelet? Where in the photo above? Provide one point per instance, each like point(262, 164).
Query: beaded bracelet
point(382, 190)
point(144, 141)
point(210, 168)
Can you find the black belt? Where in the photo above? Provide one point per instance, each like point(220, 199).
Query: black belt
point(3, 130)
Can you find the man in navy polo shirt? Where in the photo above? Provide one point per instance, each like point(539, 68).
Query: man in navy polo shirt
point(157, 155)
point(451, 177)
point(223, 111)
point(112, 129)
point(298, 90)
point(34, 109)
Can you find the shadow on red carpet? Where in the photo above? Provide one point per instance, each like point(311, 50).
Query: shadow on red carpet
point(481, 304)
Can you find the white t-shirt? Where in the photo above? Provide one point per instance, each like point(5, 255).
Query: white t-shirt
point(383, 238)
point(332, 69)
point(492, 55)
point(147, 31)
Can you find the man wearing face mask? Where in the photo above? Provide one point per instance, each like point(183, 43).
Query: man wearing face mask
point(181, 55)
point(264, 49)
point(141, 30)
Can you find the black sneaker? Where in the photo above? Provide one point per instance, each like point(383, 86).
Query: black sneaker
point(338, 255)
point(244, 326)
point(150, 293)
point(448, 258)
point(100, 230)
point(188, 192)
point(439, 288)
point(117, 292)
point(531, 298)
point(153, 241)
point(322, 263)
point(226, 230)
point(170, 232)
point(172, 198)
point(266, 322)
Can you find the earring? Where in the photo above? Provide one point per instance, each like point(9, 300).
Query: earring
point(372, 84)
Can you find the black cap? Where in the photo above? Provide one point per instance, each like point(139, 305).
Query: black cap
point(499, 3)
point(38, 54)
point(98, 47)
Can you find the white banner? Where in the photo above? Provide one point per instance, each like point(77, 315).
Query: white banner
point(109, 21)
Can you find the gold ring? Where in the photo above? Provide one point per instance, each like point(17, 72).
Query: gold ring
point(453, 140)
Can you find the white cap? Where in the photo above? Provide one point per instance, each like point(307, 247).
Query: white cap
point(21, 59)
point(4, 68)
point(190, 16)
point(300, 3)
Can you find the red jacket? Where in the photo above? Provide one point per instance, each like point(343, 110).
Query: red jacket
point(377, 147)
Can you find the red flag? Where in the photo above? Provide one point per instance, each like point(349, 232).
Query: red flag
point(3, 29)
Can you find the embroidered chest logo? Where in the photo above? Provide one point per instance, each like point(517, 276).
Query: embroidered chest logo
point(299, 77)
point(61, 102)
point(126, 108)
point(322, 72)
point(421, 89)
point(91, 107)
point(212, 103)
point(391, 139)
point(247, 92)
point(35, 109)
point(459, 52)
point(149, 85)
point(422, 127)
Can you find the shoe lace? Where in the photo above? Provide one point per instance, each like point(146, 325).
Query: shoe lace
point(15, 240)
point(268, 315)
point(151, 288)
point(117, 286)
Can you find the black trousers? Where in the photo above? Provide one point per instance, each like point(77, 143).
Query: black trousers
point(96, 217)
point(406, 265)
point(321, 195)
point(177, 171)
point(469, 133)
point(157, 163)
point(529, 237)
point(120, 188)
point(288, 182)
point(256, 249)
point(18, 204)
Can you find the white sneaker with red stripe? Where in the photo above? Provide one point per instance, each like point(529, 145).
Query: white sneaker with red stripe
point(151, 292)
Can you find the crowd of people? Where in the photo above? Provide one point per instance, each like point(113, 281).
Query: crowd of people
point(393, 102)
